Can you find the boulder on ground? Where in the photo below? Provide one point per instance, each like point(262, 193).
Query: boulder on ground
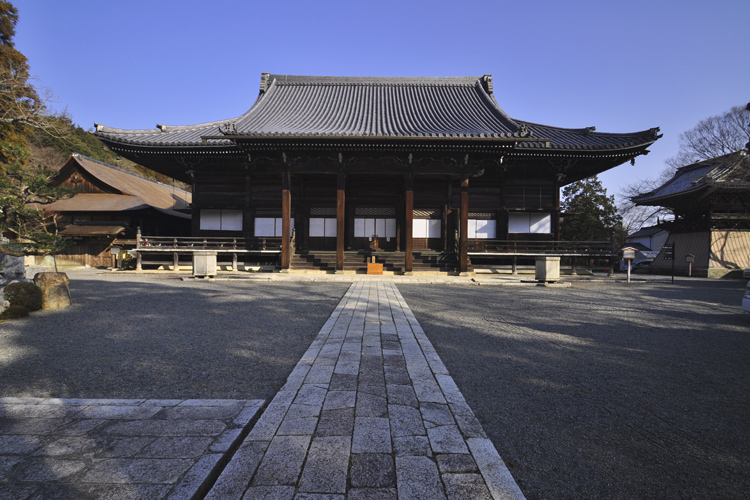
point(55, 290)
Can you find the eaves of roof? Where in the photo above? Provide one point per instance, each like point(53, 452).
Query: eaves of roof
point(713, 173)
point(298, 108)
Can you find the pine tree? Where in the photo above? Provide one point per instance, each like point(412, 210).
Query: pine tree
point(588, 213)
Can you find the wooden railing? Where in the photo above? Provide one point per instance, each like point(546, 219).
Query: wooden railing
point(188, 243)
point(542, 248)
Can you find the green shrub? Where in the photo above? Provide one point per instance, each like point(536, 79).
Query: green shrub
point(14, 312)
point(24, 294)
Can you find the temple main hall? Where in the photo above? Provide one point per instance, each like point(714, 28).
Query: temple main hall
point(409, 170)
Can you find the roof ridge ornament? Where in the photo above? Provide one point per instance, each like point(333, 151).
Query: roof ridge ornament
point(523, 131)
point(487, 83)
point(265, 81)
point(228, 128)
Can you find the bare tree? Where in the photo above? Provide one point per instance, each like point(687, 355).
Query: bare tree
point(715, 136)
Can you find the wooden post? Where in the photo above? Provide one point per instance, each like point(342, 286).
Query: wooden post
point(556, 216)
point(409, 223)
point(234, 262)
point(340, 219)
point(463, 236)
point(286, 218)
point(138, 266)
point(175, 261)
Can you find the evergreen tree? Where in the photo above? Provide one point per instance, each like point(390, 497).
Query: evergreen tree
point(588, 213)
point(23, 188)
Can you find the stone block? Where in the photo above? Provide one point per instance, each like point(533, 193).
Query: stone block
point(338, 422)
point(372, 470)
point(447, 439)
point(236, 475)
point(326, 466)
point(282, 462)
point(418, 479)
point(55, 290)
point(466, 486)
point(270, 493)
point(371, 435)
point(496, 475)
point(456, 463)
point(372, 494)
point(141, 470)
point(405, 421)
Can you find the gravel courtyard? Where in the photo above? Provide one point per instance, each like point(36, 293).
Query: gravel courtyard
point(603, 391)
point(157, 337)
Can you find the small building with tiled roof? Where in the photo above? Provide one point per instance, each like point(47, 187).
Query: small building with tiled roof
point(711, 205)
point(110, 205)
point(363, 164)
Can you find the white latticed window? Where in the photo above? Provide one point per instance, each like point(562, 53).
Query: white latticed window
point(323, 227)
point(530, 223)
point(482, 229)
point(221, 220)
point(269, 226)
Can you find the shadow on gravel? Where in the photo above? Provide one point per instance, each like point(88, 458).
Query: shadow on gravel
point(603, 391)
point(151, 338)
point(164, 338)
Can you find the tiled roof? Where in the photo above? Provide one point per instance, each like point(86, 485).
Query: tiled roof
point(132, 191)
point(73, 230)
point(300, 107)
point(728, 171)
point(97, 202)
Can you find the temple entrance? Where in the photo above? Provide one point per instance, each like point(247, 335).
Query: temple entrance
point(375, 228)
point(427, 232)
point(322, 229)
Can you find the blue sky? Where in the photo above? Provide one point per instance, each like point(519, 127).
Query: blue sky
point(620, 66)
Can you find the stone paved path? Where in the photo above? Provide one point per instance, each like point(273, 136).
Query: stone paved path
point(115, 448)
point(369, 412)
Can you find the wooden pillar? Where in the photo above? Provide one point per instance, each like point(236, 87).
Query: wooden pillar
point(556, 216)
point(463, 236)
point(340, 220)
point(138, 266)
point(286, 218)
point(409, 223)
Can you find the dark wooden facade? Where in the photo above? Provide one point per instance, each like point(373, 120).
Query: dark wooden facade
point(112, 204)
point(377, 165)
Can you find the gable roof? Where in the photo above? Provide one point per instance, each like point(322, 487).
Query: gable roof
point(126, 191)
point(731, 171)
point(318, 107)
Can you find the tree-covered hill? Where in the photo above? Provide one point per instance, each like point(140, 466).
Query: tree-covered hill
point(51, 151)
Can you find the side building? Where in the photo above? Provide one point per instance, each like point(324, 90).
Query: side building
point(392, 167)
point(109, 206)
point(711, 205)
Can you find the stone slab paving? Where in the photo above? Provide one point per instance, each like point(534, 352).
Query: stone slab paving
point(116, 448)
point(369, 412)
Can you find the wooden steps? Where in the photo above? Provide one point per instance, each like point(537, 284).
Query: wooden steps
point(393, 262)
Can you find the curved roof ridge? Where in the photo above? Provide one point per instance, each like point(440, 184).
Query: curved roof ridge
point(371, 80)
point(489, 97)
point(590, 130)
point(104, 164)
point(161, 128)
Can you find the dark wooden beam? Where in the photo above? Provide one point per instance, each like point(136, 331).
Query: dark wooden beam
point(340, 220)
point(463, 234)
point(409, 224)
point(286, 218)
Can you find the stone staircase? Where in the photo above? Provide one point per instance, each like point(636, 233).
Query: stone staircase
point(353, 261)
point(393, 262)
